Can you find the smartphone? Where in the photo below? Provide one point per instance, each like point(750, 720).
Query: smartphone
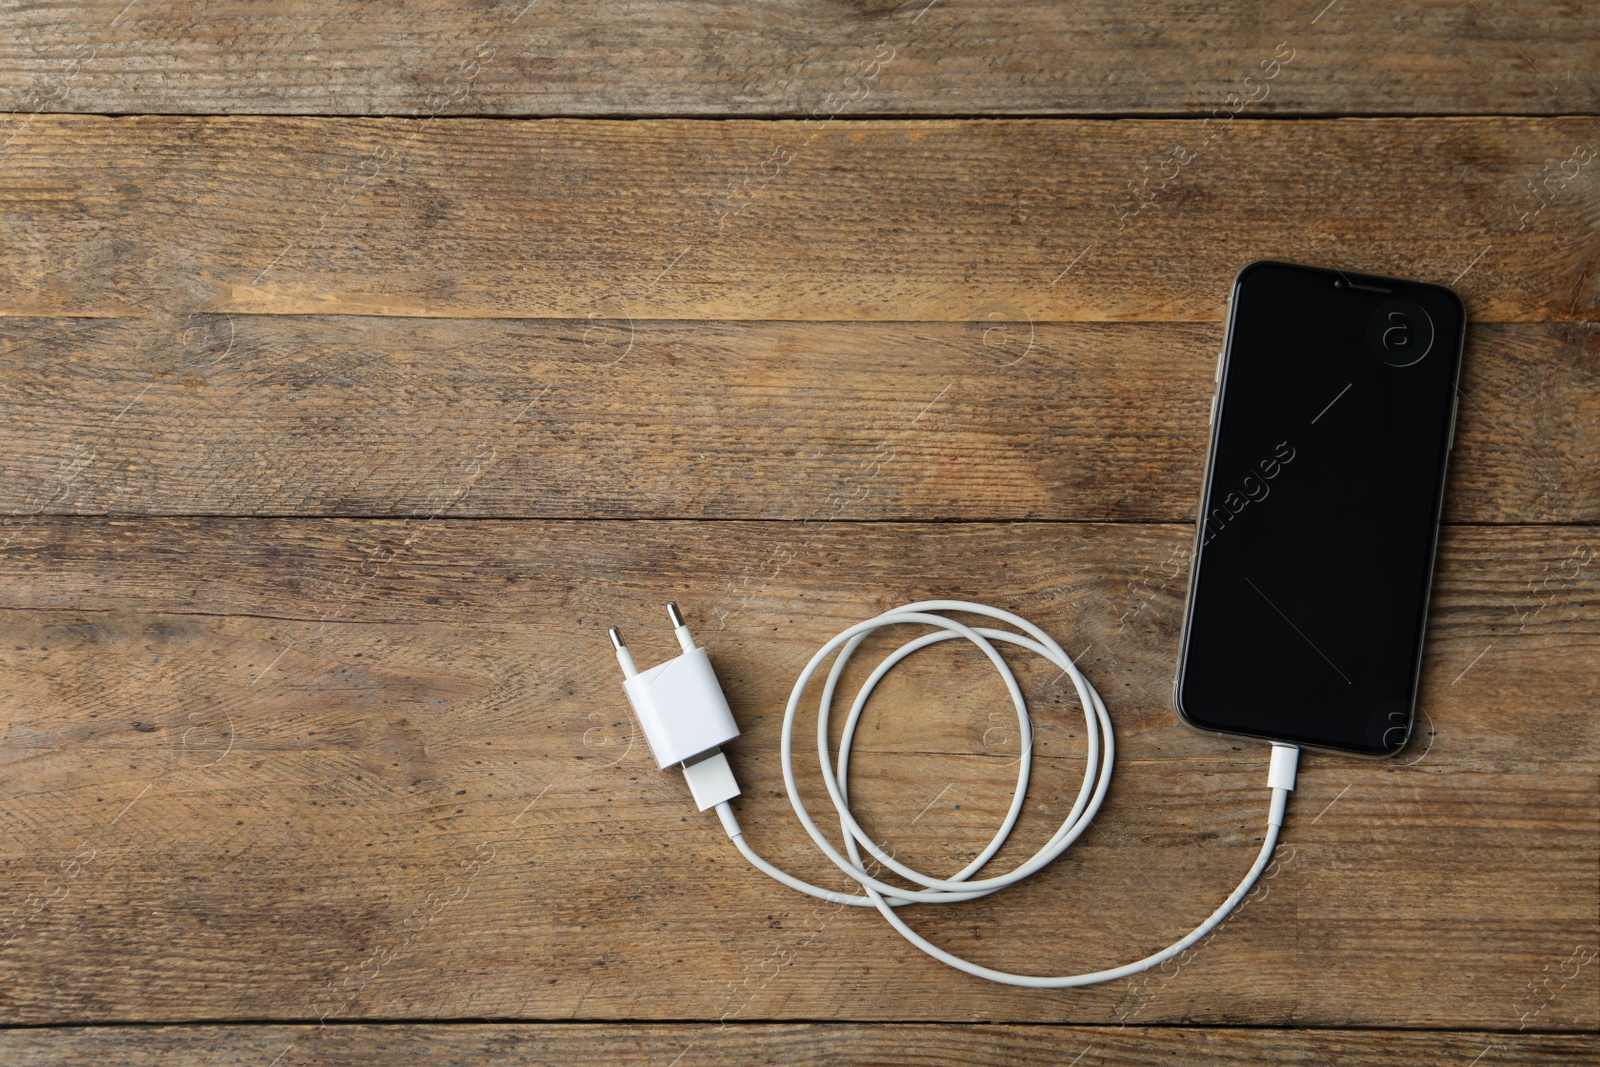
point(1330, 428)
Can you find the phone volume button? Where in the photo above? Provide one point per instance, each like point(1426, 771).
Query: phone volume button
point(1212, 417)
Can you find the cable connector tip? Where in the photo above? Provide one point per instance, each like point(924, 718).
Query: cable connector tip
point(1281, 771)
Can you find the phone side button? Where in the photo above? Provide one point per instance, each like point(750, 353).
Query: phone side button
point(1212, 417)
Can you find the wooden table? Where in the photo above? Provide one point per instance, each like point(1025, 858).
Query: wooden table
point(362, 365)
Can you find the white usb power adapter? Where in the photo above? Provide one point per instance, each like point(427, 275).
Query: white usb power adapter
point(685, 717)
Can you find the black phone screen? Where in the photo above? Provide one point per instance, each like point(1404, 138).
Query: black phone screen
point(1309, 589)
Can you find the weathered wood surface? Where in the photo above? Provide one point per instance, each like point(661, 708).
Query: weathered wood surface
point(950, 221)
point(748, 1044)
point(643, 57)
point(296, 415)
point(295, 769)
point(380, 768)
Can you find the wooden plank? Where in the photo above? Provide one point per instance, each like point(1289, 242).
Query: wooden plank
point(298, 415)
point(335, 769)
point(768, 1043)
point(992, 222)
point(797, 57)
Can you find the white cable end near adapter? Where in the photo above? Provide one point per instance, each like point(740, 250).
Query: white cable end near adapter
point(685, 717)
point(710, 779)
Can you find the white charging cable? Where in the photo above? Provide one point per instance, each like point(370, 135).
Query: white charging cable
point(675, 701)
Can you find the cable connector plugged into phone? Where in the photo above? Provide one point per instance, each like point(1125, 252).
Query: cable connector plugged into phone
point(685, 717)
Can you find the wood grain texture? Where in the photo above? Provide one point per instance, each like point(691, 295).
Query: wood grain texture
point(310, 415)
point(378, 767)
point(749, 1044)
point(375, 769)
point(643, 57)
point(950, 221)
